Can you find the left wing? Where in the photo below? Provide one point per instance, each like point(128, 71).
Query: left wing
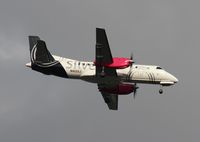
point(111, 100)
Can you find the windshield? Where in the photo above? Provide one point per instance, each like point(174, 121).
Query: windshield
point(158, 68)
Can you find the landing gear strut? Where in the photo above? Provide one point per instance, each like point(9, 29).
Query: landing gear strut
point(102, 74)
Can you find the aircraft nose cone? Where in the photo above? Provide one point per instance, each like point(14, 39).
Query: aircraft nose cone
point(174, 79)
point(28, 65)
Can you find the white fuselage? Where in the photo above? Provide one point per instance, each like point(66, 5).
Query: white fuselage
point(113, 75)
point(135, 74)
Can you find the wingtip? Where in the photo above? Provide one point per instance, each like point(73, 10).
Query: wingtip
point(100, 29)
point(33, 36)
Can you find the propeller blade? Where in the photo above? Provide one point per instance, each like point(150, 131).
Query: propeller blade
point(134, 95)
point(135, 91)
point(131, 59)
point(131, 65)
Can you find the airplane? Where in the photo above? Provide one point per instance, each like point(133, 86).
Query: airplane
point(114, 76)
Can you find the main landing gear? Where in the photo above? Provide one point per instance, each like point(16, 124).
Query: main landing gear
point(102, 74)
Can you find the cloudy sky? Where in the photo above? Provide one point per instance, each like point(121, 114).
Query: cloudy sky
point(39, 108)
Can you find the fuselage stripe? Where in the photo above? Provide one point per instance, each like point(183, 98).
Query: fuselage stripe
point(151, 77)
point(154, 79)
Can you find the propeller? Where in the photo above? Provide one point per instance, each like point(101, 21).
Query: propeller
point(135, 90)
point(129, 75)
point(131, 64)
point(131, 59)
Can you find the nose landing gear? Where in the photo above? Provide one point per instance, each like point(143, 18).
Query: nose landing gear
point(161, 90)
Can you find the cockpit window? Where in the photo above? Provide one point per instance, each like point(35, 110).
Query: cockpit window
point(158, 68)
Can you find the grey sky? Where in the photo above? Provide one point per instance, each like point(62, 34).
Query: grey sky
point(38, 108)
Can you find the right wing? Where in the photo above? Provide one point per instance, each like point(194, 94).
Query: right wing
point(103, 54)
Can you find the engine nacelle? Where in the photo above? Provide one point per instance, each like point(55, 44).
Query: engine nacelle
point(118, 63)
point(121, 89)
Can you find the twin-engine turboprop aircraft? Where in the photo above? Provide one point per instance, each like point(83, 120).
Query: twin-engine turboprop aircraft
point(113, 76)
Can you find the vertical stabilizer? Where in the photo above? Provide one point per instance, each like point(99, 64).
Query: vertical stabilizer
point(38, 51)
point(33, 41)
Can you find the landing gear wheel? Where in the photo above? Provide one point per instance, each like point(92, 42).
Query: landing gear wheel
point(161, 91)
